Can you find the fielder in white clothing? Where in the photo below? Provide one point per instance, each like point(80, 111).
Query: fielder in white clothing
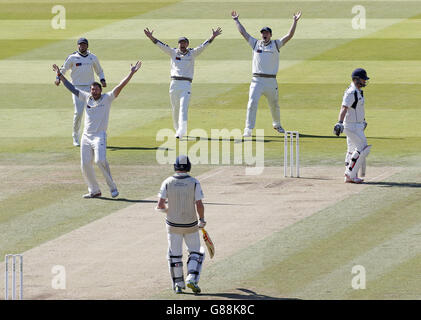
point(94, 139)
point(265, 67)
point(82, 63)
point(184, 195)
point(182, 70)
point(352, 122)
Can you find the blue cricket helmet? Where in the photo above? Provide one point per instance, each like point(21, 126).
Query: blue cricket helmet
point(182, 163)
point(360, 73)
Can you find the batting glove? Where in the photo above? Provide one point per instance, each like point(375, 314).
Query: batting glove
point(202, 223)
point(338, 129)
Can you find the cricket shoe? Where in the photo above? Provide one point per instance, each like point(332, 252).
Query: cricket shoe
point(194, 287)
point(114, 193)
point(279, 129)
point(178, 289)
point(92, 195)
point(76, 142)
point(356, 180)
point(247, 132)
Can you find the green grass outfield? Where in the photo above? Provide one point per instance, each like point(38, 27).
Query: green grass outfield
point(42, 184)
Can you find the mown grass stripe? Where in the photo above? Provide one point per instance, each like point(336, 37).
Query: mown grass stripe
point(194, 28)
point(225, 71)
point(402, 282)
point(381, 98)
point(208, 9)
point(222, 49)
point(290, 259)
point(379, 263)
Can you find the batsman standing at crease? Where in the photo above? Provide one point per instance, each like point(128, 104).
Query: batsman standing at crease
point(83, 63)
point(352, 122)
point(184, 195)
point(265, 67)
point(94, 139)
point(182, 69)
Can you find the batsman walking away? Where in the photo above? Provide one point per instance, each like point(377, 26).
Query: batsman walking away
point(184, 195)
point(94, 139)
point(182, 70)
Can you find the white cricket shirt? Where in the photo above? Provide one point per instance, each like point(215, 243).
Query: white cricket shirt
point(82, 68)
point(182, 65)
point(97, 112)
point(354, 100)
point(265, 57)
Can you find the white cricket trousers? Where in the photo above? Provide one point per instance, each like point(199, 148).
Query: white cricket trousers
point(78, 113)
point(93, 149)
point(355, 139)
point(175, 242)
point(180, 92)
point(269, 88)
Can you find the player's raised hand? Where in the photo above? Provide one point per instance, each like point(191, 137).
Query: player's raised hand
point(148, 33)
point(216, 32)
point(56, 68)
point(234, 15)
point(134, 68)
point(297, 16)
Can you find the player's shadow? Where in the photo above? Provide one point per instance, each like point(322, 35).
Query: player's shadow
point(126, 200)
point(116, 148)
point(394, 184)
point(246, 295)
point(226, 204)
point(303, 135)
point(220, 139)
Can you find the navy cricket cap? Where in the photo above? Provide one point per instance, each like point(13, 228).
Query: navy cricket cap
point(360, 73)
point(183, 39)
point(82, 40)
point(266, 29)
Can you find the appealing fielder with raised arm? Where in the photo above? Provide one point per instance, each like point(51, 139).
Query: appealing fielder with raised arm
point(352, 122)
point(94, 138)
point(184, 195)
point(265, 67)
point(82, 63)
point(182, 69)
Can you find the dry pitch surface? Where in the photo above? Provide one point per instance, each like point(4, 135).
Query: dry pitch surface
point(123, 255)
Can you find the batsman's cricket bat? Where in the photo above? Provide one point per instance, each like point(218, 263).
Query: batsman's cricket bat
point(209, 243)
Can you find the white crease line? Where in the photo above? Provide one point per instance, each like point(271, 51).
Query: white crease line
point(219, 170)
point(381, 175)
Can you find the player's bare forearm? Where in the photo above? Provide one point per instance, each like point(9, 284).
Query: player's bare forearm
point(242, 30)
point(240, 27)
point(291, 32)
point(122, 84)
point(149, 33)
point(215, 33)
point(200, 209)
point(342, 113)
point(126, 80)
